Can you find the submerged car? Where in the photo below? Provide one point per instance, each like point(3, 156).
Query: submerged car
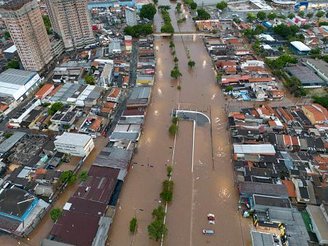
point(211, 219)
point(208, 232)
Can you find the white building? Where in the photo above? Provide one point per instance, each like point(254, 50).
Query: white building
point(131, 16)
point(18, 83)
point(74, 144)
point(106, 75)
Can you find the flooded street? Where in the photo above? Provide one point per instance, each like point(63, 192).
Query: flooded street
point(204, 185)
point(44, 227)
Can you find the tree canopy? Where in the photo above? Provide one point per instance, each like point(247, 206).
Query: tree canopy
point(156, 229)
point(221, 5)
point(202, 14)
point(320, 13)
point(13, 64)
point(281, 61)
point(55, 213)
point(261, 15)
point(272, 16)
point(251, 17)
point(67, 177)
point(148, 11)
point(323, 100)
point(47, 23)
point(285, 31)
point(55, 107)
point(138, 30)
point(89, 79)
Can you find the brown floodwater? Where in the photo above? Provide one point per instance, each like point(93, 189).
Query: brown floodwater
point(206, 187)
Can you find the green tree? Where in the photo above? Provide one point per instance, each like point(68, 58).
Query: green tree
point(323, 101)
point(251, 17)
point(291, 16)
point(167, 28)
point(320, 13)
point(55, 214)
point(138, 30)
point(175, 73)
point(173, 129)
point(175, 59)
point(191, 63)
point(178, 8)
point(236, 20)
point(315, 52)
point(221, 5)
point(309, 15)
point(193, 5)
point(13, 64)
point(261, 15)
point(229, 88)
point(156, 230)
point(167, 191)
point(67, 177)
point(47, 23)
point(169, 170)
point(202, 14)
point(158, 213)
point(148, 11)
point(272, 16)
point(133, 225)
point(287, 32)
point(301, 13)
point(89, 79)
point(57, 106)
point(6, 35)
point(83, 176)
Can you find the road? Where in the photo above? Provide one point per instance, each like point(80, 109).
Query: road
point(203, 186)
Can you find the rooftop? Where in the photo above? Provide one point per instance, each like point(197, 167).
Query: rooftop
point(73, 138)
point(11, 141)
point(320, 65)
point(300, 46)
point(16, 76)
point(264, 189)
point(306, 75)
point(321, 224)
point(14, 4)
point(15, 202)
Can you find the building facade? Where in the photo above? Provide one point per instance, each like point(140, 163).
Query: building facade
point(25, 24)
point(74, 144)
point(131, 16)
point(70, 19)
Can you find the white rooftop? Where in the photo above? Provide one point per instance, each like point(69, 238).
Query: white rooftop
point(266, 149)
point(73, 138)
point(300, 46)
point(11, 49)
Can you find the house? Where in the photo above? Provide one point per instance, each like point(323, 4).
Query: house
point(316, 113)
point(319, 219)
point(114, 95)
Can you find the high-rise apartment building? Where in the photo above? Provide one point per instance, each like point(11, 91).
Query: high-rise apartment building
point(70, 19)
point(24, 22)
point(130, 16)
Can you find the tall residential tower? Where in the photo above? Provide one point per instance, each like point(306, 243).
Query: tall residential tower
point(70, 19)
point(25, 24)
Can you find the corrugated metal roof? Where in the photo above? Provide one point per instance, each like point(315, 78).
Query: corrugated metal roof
point(254, 149)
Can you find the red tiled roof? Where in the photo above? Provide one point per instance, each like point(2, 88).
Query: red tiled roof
point(44, 91)
point(290, 188)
